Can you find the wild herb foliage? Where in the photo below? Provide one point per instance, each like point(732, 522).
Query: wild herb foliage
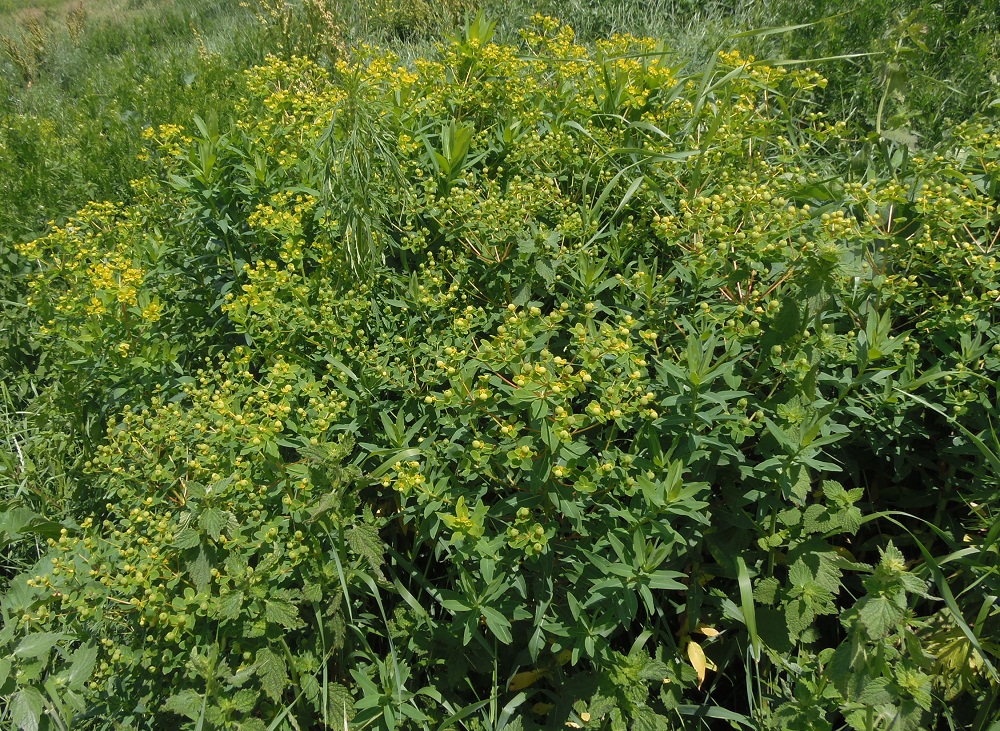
point(918, 67)
point(526, 386)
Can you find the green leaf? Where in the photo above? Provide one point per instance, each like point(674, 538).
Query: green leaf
point(340, 705)
point(498, 624)
point(187, 703)
point(231, 604)
point(244, 700)
point(278, 611)
point(213, 520)
point(747, 605)
point(716, 712)
point(82, 666)
point(4, 670)
point(187, 538)
point(26, 707)
point(365, 541)
point(666, 580)
point(37, 645)
point(879, 615)
point(200, 571)
point(273, 673)
point(645, 719)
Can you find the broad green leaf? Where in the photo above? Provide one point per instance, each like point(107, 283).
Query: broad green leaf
point(213, 520)
point(281, 612)
point(879, 615)
point(26, 706)
point(186, 703)
point(200, 571)
point(84, 659)
point(38, 645)
point(273, 673)
point(231, 604)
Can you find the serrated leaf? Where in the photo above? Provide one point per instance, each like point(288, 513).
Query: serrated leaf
point(645, 719)
point(37, 645)
point(799, 617)
point(878, 615)
point(601, 705)
point(230, 605)
point(874, 691)
point(312, 592)
point(340, 705)
point(850, 519)
point(800, 490)
point(310, 688)
point(766, 590)
point(82, 666)
point(273, 673)
point(187, 538)
point(26, 707)
point(654, 670)
point(200, 571)
point(545, 271)
point(213, 520)
point(4, 670)
point(366, 542)
point(278, 611)
point(187, 703)
point(244, 700)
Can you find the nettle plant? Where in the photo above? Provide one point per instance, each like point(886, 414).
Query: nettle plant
point(540, 386)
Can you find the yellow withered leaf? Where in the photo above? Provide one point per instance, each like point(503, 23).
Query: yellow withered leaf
point(525, 679)
point(696, 656)
point(707, 631)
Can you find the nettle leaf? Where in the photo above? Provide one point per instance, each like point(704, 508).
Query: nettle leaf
point(26, 706)
point(802, 485)
point(200, 571)
point(281, 612)
point(366, 542)
point(851, 519)
point(874, 692)
point(879, 615)
point(655, 670)
point(231, 604)
point(244, 700)
point(799, 616)
point(187, 538)
point(312, 592)
point(186, 703)
point(340, 704)
point(37, 645)
point(213, 520)
point(82, 666)
point(645, 719)
point(273, 673)
point(766, 590)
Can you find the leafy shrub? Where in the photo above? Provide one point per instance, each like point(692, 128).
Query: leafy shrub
point(526, 386)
